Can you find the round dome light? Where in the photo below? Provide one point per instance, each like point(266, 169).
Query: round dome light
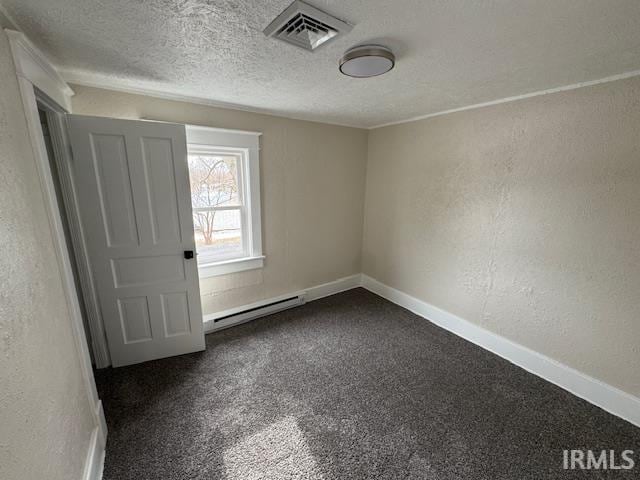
point(367, 61)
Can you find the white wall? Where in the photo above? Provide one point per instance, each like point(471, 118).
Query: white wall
point(312, 186)
point(46, 418)
point(523, 218)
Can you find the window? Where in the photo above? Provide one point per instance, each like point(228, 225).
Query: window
point(225, 198)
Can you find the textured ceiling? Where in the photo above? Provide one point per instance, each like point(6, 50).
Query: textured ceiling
point(451, 53)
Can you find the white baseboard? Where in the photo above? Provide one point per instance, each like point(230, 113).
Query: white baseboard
point(611, 399)
point(309, 294)
point(95, 457)
point(102, 423)
point(94, 462)
point(331, 288)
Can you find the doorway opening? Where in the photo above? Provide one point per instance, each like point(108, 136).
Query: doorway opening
point(51, 126)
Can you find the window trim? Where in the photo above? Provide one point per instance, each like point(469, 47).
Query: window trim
point(205, 139)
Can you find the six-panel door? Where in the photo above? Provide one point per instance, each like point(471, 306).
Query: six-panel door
point(132, 185)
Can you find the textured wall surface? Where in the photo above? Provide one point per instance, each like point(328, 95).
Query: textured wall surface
point(450, 53)
point(523, 218)
point(45, 415)
point(312, 186)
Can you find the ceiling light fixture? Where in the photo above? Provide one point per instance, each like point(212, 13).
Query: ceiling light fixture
point(367, 61)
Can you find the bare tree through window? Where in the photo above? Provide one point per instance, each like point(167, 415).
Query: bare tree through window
point(214, 184)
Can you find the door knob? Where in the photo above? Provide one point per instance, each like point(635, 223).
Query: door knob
point(188, 254)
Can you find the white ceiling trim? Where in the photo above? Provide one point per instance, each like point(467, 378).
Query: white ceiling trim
point(538, 93)
point(115, 86)
point(98, 82)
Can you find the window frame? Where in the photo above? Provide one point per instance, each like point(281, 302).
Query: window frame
point(208, 141)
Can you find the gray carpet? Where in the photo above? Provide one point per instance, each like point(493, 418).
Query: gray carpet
point(347, 387)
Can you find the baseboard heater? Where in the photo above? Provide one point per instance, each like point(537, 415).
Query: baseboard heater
point(251, 312)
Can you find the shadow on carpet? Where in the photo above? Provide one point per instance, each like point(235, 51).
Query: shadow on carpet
point(347, 387)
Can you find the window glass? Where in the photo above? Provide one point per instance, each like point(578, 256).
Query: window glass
point(214, 180)
point(217, 207)
point(218, 235)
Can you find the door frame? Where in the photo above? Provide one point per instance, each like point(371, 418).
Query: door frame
point(63, 160)
point(38, 79)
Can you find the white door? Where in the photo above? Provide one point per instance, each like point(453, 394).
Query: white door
point(132, 183)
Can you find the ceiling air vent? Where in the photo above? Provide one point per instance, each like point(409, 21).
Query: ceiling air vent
point(305, 26)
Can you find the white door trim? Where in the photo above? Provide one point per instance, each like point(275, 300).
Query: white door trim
point(34, 66)
point(64, 160)
point(34, 71)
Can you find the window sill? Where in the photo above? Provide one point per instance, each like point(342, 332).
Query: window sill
point(230, 266)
